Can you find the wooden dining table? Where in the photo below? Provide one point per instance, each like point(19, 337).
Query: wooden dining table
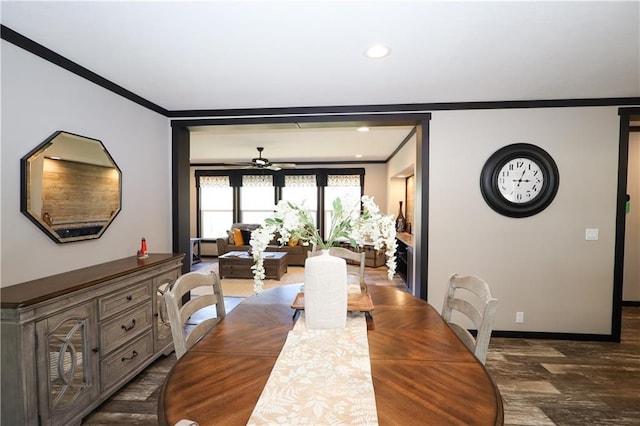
point(422, 373)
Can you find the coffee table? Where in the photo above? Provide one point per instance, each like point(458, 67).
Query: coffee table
point(237, 264)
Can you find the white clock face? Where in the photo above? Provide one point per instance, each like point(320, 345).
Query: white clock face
point(520, 180)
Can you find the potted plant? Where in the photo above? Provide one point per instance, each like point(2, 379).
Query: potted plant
point(358, 222)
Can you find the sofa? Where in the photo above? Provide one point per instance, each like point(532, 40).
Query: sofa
point(296, 254)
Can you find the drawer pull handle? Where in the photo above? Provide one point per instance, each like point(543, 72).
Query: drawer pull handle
point(96, 350)
point(133, 324)
point(129, 298)
point(134, 354)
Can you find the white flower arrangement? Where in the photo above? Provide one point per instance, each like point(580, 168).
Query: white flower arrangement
point(294, 221)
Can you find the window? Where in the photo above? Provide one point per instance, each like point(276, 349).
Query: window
point(216, 206)
point(345, 187)
point(302, 189)
point(257, 196)
point(229, 196)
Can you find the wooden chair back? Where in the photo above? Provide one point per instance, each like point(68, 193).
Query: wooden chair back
point(358, 257)
point(471, 297)
point(185, 333)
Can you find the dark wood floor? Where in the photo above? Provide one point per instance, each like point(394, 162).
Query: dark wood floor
point(542, 382)
point(559, 382)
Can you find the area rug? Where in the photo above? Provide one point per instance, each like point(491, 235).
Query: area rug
point(241, 287)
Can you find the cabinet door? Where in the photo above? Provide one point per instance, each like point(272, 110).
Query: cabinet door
point(161, 326)
point(67, 363)
point(410, 270)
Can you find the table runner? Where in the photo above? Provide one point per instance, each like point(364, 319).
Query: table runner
point(320, 377)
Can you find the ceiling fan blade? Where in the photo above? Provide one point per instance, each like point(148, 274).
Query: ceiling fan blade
point(239, 163)
point(244, 165)
point(285, 165)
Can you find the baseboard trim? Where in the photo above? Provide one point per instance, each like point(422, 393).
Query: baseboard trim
point(554, 336)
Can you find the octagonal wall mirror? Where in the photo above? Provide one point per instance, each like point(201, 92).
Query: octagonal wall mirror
point(70, 187)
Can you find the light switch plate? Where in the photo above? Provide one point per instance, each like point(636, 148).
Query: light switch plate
point(591, 234)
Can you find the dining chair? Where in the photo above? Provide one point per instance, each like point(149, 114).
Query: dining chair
point(347, 254)
point(186, 331)
point(470, 296)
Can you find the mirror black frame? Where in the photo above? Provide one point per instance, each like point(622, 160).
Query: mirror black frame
point(68, 234)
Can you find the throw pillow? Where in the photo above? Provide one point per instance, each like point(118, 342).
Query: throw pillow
point(232, 240)
point(237, 237)
point(246, 235)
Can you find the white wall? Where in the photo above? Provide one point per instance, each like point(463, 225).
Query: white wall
point(631, 280)
point(539, 265)
point(39, 98)
point(375, 184)
point(403, 163)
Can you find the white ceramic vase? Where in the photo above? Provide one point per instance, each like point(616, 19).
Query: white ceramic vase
point(325, 291)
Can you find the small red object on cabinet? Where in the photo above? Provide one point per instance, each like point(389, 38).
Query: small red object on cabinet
point(142, 253)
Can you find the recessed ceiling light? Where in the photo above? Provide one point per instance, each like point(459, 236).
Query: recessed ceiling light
point(358, 155)
point(377, 51)
point(363, 129)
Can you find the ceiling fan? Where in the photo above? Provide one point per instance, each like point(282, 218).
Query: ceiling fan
point(263, 163)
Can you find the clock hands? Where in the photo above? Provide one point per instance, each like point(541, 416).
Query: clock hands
point(520, 180)
point(524, 179)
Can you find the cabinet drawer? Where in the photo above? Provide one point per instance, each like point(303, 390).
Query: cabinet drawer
point(118, 302)
point(237, 271)
point(119, 365)
point(120, 329)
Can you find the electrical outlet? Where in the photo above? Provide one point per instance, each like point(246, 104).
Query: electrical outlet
point(519, 317)
point(591, 234)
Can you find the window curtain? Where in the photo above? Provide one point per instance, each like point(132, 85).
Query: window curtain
point(300, 181)
point(343, 180)
point(214, 181)
point(257, 180)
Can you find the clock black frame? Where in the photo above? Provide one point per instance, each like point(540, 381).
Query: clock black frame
point(493, 165)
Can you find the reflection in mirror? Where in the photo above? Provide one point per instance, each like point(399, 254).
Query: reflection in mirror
point(71, 187)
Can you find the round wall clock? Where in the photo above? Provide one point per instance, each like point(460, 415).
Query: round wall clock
point(519, 180)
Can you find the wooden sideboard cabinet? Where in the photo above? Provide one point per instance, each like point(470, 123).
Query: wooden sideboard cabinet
point(404, 258)
point(71, 340)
